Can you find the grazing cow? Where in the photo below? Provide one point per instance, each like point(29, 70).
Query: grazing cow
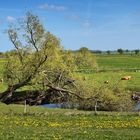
point(106, 82)
point(135, 97)
point(126, 78)
point(1, 80)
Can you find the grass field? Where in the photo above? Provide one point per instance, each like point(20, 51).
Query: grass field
point(114, 78)
point(117, 61)
point(117, 66)
point(59, 124)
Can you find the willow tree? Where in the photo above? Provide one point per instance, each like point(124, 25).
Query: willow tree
point(38, 60)
point(32, 48)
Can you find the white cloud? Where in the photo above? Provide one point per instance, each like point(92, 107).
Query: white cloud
point(87, 24)
point(10, 19)
point(53, 7)
point(74, 17)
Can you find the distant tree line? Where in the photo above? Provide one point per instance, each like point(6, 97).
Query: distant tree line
point(118, 51)
point(121, 51)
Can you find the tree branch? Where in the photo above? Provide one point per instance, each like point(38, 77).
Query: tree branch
point(13, 39)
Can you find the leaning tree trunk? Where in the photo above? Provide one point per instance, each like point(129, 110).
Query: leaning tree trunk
point(11, 89)
point(6, 95)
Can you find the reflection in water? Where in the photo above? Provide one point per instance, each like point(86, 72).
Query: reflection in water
point(137, 107)
point(62, 105)
point(71, 106)
point(52, 105)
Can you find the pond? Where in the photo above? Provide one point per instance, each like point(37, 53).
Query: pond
point(137, 107)
point(70, 106)
point(58, 105)
point(51, 105)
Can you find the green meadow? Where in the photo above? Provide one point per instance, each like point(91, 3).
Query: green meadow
point(117, 61)
point(61, 124)
point(117, 66)
point(114, 78)
point(113, 67)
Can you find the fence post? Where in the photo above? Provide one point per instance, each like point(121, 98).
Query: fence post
point(95, 107)
point(25, 107)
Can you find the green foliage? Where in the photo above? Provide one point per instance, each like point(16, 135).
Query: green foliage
point(84, 59)
point(120, 51)
point(68, 60)
point(108, 52)
point(137, 51)
point(33, 47)
point(108, 96)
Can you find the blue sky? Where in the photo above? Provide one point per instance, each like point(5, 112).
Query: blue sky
point(96, 24)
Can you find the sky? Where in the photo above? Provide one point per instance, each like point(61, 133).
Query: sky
point(96, 24)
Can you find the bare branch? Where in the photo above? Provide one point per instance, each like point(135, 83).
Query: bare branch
point(13, 39)
point(66, 91)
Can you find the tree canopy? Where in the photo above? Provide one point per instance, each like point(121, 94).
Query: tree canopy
point(84, 59)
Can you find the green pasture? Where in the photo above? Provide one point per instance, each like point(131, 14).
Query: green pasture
point(116, 61)
point(114, 78)
point(62, 124)
point(114, 67)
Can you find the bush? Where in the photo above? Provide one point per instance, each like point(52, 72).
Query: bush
point(104, 97)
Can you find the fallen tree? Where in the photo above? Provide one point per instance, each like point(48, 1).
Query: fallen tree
point(37, 55)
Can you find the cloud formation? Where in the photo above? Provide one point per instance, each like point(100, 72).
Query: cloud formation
point(87, 24)
point(83, 21)
point(10, 19)
point(53, 7)
point(73, 17)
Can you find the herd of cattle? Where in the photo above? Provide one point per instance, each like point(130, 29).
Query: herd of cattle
point(122, 78)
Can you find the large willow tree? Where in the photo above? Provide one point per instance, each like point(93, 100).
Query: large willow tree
point(33, 47)
point(39, 61)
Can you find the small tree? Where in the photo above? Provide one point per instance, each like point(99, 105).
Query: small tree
point(84, 59)
point(137, 51)
point(108, 52)
point(127, 51)
point(120, 51)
